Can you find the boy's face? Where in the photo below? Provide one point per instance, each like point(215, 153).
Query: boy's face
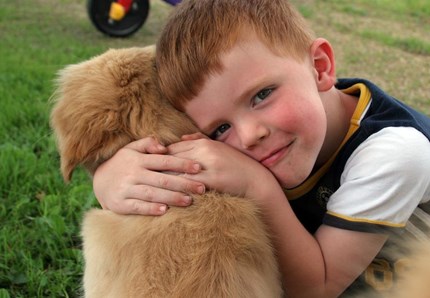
point(266, 106)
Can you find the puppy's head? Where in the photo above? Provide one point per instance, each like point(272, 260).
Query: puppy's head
point(102, 104)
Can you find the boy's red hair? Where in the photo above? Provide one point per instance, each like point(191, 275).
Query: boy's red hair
point(199, 31)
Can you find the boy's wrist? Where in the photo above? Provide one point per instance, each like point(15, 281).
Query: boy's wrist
point(264, 189)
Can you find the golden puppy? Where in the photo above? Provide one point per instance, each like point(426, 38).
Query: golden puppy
point(218, 247)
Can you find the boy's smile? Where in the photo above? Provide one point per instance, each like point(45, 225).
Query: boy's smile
point(266, 106)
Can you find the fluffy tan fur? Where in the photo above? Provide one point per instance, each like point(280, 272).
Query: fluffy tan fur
point(218, 247)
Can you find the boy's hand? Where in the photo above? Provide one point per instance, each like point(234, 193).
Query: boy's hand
point(134, 181)
point(224, 168)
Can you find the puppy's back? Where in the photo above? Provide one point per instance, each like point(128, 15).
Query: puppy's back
point(218, 247)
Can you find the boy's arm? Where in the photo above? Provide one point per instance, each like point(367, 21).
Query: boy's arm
point(320, 265)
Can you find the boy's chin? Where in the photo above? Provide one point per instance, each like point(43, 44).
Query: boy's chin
point(290, 184)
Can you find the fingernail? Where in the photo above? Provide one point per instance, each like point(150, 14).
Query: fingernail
point(201, 189)
point(162, 209)
point(196, 167)
point(187, 200)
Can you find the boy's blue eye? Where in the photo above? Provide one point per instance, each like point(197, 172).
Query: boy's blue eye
point(262, 95)
point(219, 131)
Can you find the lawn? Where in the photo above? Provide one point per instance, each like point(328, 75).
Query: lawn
point(385, 41)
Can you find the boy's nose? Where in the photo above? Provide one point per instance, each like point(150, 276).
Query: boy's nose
point(251, 134)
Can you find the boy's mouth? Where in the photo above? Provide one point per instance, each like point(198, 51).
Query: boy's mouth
point(275, 156)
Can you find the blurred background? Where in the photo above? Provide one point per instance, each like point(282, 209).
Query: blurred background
point(385, 41)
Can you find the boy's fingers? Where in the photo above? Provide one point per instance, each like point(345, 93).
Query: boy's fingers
point(139, 207)
point(144, 208)
point(155, 203)
point(147, 145)
point(172, 164)
point(162, 162)
point(194, 136)
point(165, 188)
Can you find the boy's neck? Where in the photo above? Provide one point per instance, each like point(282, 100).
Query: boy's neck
point(339, 110)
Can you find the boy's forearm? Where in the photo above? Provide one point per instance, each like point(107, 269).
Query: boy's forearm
point(299, 254)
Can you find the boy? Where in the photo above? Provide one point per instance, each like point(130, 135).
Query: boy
point(335, 166)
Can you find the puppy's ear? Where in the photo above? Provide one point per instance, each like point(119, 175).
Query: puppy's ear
point(94, 103)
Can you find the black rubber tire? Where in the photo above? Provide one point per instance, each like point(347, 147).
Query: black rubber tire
point(98, 12)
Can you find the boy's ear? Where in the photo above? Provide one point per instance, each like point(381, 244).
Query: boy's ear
point(323, 63)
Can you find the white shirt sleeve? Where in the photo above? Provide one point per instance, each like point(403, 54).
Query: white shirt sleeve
point(385, 178)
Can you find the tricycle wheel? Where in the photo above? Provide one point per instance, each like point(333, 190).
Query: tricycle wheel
point(98, 11)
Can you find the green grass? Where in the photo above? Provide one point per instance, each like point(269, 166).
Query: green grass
point(412, 45)
point(40, 247)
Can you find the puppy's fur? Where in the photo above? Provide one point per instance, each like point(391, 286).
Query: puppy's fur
point(218, 247)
